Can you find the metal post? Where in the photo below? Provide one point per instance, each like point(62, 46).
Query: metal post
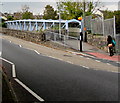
point(30, 26)
point(20, 25)
point(16, 25)
point(114, 29)
point(81, 39)
point(24, 25)
point(59, 21)
point(36, 26)
point(83, 18)
point(103, 25)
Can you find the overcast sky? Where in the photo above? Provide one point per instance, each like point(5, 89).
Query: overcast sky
point(37, 6)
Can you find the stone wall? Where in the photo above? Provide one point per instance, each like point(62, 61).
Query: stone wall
point(101, 42)
point(98, 41)
point(26, 35)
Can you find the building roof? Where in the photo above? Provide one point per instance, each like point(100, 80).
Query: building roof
point(3, 17)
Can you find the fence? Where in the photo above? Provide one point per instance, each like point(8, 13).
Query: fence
point(97, 26)
point(101, 26)
point(70, 41)
point(118, 43)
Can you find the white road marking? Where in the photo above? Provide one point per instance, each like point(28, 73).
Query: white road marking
point(13, 71)
point(85, 67)
point(0, 53)
point(97, 60)
point(79, 53)
point(6, 60)
point(69, 62)
point(13, 67)
point(60, 59)
point(87, 58)
point(108, 64)
point(10, 41)
point(118, 62)
point(53, 57)
point(29, 49)
point(20, 45)
point(81, 56)
point(36, 51)
point(29, 90)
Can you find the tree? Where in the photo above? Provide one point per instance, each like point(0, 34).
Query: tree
point(117, 17)
point(2, 22)
point(18, 15)
point(10, 17)
point(27, 15)
point(49, 13)
point(25, 8)
point(72, 10)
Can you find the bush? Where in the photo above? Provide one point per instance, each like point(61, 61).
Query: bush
point(3, 25)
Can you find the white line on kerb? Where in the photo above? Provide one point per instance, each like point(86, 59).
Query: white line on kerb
point(29, 90)
point(36, 51)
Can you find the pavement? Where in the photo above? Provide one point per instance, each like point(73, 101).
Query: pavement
point(89, 58)
point(98, 53)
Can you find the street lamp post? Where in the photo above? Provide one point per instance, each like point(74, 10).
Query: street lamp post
point(83, 19)
point(59, 22)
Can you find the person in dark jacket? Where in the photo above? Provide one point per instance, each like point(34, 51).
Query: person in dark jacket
point(110, 45)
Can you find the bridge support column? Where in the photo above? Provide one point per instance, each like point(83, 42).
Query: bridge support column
point(30, 26)
point(36, 26)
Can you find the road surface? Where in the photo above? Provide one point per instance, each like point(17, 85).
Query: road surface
point(55, 80)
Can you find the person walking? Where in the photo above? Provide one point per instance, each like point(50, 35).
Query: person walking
point(111, 45)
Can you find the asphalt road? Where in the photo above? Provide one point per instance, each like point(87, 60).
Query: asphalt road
point(55, 80)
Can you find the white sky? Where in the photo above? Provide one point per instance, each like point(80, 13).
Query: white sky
point(37, 6)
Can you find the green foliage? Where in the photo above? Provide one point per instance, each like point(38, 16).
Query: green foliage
point(110, 14)
point(72, 10)
point(27, 15)
point(10, 18)
point(49, 13)
point(117, 17)
point(2, 23)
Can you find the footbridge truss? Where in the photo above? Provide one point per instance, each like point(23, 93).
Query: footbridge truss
point(36, 25)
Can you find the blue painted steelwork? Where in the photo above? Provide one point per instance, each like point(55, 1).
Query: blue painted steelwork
point(34, 25)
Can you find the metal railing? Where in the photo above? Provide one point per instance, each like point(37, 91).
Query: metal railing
point(70, 41)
